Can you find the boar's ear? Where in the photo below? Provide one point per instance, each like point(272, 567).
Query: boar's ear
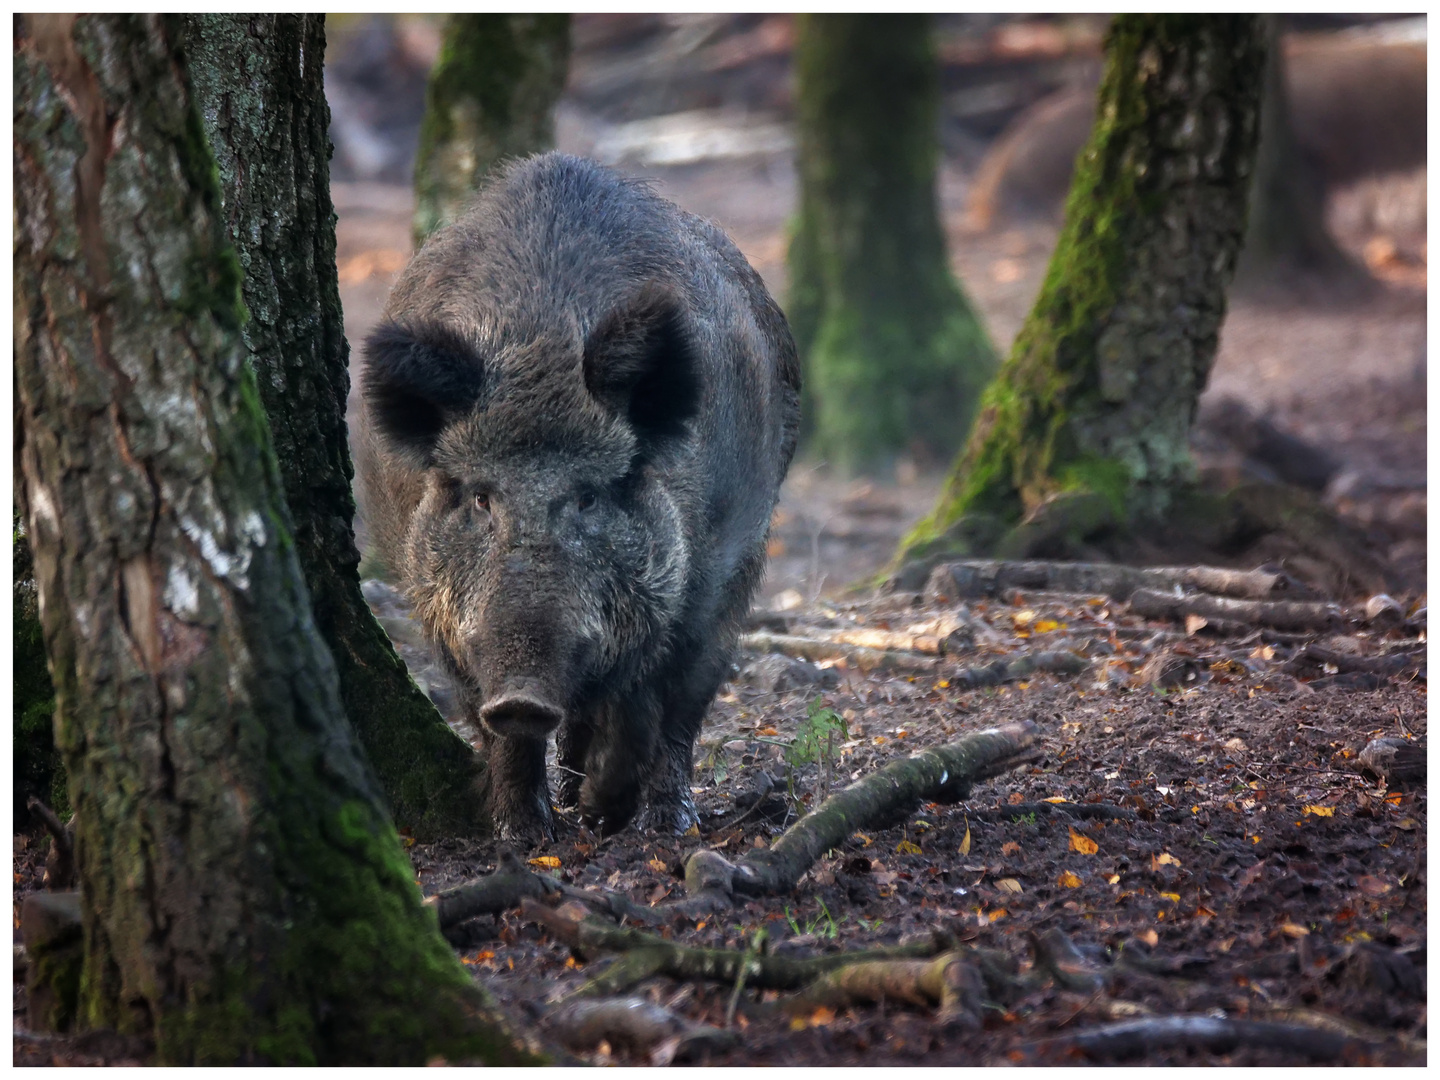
point(640, 361)
point(417, 382)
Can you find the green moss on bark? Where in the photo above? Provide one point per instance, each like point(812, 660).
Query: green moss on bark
point(1100, 388)
point(491, 96)
point(894, 356)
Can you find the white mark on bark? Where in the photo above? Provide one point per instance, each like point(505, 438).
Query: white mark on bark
point(44, 509)
point(182, 595)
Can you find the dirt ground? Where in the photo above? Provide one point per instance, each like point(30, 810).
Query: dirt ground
point(1242, 866)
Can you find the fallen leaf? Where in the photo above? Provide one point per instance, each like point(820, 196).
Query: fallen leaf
point(965, 844)
point(1068, 880)
point(1022, 619)
point(1055, 799)
point(822, 1016)
point(1291, 929)
point(766, 731)
point(1321, 811)
point(865, 841)
point(1163, 859)
point(658, 865)
point(1045, 626)
point(1010, 848)
point(997, 914)
point(943, 684)
point(550, 862)
point(1203, 912)
point(1016, 798)
point(1083, 844)
point(1173, 897)
point(907, 847)
point(1373, 886)
point(1008, 884)
point(1195, 623)
point(1112, 879)
point(1149, 937)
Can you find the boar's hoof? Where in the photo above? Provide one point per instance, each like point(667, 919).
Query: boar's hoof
point(519, 711)
point(670, 816)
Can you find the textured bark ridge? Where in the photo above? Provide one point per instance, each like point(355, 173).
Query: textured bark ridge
point(492, 96)
point(245, 898)
point(895, 358)
point(1090, 414)
point(259, 85)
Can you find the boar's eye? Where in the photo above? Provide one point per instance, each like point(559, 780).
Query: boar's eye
point(587, 501)
point(482, 504)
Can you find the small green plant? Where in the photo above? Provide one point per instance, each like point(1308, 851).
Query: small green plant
point(822, 925)
point(1024, 819)
point(714, 763)
point(816, 743)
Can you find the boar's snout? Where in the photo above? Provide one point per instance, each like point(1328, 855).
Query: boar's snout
point(521, 708)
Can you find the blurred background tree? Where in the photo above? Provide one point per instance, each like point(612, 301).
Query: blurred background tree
point(491, 96)
point(894, 356)
point(1087, 424)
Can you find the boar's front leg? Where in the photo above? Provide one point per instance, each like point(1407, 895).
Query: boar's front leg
point(519, 800)
point(669, 807)
point(622, 752)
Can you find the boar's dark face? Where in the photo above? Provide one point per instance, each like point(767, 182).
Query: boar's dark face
point(545, 557)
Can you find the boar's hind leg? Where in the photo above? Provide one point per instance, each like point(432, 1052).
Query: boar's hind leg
point(621, 753)
point(519, 797)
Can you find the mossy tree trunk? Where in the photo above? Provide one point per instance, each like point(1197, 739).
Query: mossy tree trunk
point(1088, 420)
point(894, 357)
point(491, 96)
point(259, 85)
point(245, 896)
point(1287, 233)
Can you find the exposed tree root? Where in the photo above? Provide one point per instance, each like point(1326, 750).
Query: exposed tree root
point(944, 774)
point(949, 981)
point(1133, 1038)
point(1397, 761)
point(637, 1025)
point(1008, 669)
point(646, 955)
point(1315, 656)
point(491, 894)
point(1089, 811)
point(1056, 955)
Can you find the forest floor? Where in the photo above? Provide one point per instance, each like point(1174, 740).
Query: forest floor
point(1242, 865)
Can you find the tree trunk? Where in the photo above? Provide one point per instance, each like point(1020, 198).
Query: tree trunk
point(895, 358)
point(245, 897)
point(1088, 421)
point(1287, 233)
point(491, 96)
point(258, 84)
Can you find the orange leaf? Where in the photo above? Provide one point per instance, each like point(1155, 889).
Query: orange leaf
point(822, 1016)
point(766, 731)
point(1056, 799)
point(1163, 859)
point(1083, 844)
point(549, 862)
point(1149, 937)
point(1010, 848)
point(1068, 880)
point(658, 865)
point(1291, 929)
point(1321, 811)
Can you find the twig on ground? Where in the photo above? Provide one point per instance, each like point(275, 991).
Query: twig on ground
point(973, 579)
point(857, 656)
point(1281, 614)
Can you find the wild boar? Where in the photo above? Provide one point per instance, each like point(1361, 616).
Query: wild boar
point(576, 416)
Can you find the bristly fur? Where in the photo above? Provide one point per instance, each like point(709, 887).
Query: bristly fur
point(575, 422)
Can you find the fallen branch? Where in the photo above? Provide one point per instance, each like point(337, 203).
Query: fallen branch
point(1133, 1038)
point(1318, 656)
point(60, 863)
point(974, 579)
point(857, 656)
point(1281, 614)
point(944, 774)
point(639, 1026)
point(1396, 761)
point(647, 955)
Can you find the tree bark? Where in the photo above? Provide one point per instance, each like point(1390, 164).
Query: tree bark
point(259, 86)
point(1097, 396)
point(245, 897)
point(895, 358)
point(491, 96)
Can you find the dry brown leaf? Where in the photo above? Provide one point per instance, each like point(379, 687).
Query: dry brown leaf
point(1195, 623)
point(1083, 844)
point(1163, 859)
point(1008, 884)
point(1010, 848)
point(1149, 937)
point(1321, 811)
point(1068, 880)
point(965, 844)
point(1373, 886)
point(1291, 929)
